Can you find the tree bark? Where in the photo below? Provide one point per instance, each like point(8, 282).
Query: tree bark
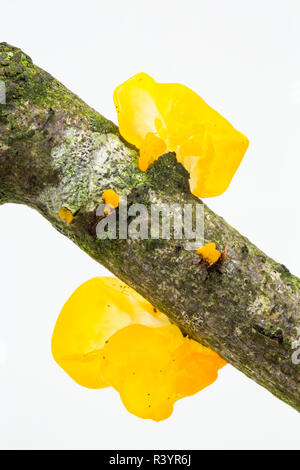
point(56, 151)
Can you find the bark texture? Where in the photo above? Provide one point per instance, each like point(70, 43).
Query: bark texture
point(55, 151)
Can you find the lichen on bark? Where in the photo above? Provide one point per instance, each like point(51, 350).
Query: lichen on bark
point(56, 151)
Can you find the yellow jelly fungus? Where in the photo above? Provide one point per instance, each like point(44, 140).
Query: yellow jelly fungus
point(162, 117)
point(111, 199)
point(108, 335)
point(151, 149)
point(65, 214)
point(209, 252)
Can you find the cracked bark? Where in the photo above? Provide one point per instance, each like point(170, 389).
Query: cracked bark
point(56, 151)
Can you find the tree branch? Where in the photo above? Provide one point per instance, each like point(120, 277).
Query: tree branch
point(55, 151)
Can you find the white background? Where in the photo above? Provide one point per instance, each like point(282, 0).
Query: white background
point(242, 57)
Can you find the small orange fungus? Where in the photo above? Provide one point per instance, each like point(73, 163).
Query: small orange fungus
point(111, 199)
point(65, 214)
point(162, 117)
point(209, 252)
point(108, 335)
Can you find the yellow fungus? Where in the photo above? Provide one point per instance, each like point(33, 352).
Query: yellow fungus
point(108, 335)
point(162, 117)
point(209, 252)
point(151, 149)
point(111, 199)
point(65, 214)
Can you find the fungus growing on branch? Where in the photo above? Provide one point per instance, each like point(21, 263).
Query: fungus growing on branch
point(163, 117)
point(108, 335)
